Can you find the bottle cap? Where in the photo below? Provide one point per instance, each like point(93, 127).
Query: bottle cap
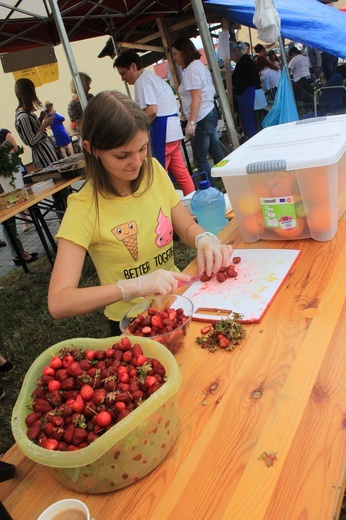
point(204, 185)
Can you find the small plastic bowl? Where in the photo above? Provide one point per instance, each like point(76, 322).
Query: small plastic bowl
point(173, 340)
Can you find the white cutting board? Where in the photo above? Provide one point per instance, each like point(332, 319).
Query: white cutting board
point(260, 275)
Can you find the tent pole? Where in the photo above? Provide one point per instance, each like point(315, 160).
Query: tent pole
point(285, 67)
point(214, 69)
point(68, 52)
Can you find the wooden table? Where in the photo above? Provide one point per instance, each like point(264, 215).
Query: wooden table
point(37, 216)
point(282, 390)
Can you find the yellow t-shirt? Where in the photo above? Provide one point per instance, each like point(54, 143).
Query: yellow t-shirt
point(133, 236)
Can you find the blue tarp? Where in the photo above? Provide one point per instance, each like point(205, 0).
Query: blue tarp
point(305, 21)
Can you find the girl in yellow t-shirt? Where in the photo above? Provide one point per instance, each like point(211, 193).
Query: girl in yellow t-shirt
point(124, 218)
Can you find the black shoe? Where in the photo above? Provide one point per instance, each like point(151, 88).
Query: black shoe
point(6, 368)
point(2, 243)
point(2, 393)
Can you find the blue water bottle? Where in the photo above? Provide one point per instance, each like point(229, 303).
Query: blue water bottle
point(208, 204)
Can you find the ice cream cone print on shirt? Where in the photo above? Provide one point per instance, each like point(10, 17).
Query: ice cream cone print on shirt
point(127, 234)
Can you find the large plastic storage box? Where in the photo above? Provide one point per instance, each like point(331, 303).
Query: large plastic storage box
point(289, 181)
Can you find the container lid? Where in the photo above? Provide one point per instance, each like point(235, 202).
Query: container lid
point(292, 146)
point(204, 185)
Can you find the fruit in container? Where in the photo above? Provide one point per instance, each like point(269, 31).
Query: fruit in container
point(164, 318)
point(126, 451)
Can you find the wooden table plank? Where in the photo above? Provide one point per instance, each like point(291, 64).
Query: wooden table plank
point(294, 363)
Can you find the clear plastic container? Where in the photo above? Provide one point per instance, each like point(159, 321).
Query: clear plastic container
point(288, 182)
point(208, 204)
point(129, 450)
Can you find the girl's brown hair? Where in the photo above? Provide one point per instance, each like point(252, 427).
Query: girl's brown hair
point(26, 94)
point(111, 120)
point(189, 53)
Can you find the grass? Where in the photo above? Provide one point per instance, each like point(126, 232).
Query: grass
point(27, 329)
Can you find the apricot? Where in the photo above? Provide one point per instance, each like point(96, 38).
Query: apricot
point(253, 225)
point(249, 204)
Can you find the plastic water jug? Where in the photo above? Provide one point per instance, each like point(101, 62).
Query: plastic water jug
point(208, 204)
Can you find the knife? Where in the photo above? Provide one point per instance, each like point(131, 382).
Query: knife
point(193, 279)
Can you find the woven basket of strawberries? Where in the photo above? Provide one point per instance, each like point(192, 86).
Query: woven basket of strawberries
point(99, 413)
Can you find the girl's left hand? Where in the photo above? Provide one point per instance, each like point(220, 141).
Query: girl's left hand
point(212, 254)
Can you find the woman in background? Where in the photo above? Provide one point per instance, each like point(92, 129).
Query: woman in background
point(30, 130)
point(269, 74)
point(74, 108)
point(197, 92)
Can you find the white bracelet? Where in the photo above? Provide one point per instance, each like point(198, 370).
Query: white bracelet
point(205, 234)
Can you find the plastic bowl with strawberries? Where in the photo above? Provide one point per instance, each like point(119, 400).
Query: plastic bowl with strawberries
point(164, 318)
point(125, 452)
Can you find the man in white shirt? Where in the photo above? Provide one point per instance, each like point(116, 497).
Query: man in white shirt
point(299, 68)
point(156, 98)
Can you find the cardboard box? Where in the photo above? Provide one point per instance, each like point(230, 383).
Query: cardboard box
point(288, 182)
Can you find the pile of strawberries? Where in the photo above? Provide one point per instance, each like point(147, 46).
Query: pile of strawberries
point(81, 394)
point(167, 326)
point(224, 273)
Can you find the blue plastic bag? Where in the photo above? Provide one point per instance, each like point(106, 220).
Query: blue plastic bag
point(284, 109)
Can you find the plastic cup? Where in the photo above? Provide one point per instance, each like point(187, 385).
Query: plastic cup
point(68, 509)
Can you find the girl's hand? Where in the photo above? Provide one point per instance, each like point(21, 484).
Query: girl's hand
point(211, 254)
point(158, 282)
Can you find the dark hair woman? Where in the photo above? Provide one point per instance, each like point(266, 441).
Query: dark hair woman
point(31, 131)
point(196, 92)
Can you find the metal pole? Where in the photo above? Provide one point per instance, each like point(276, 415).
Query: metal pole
point(68, 52)
point(214, 69)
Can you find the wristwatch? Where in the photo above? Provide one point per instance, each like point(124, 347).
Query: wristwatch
point(193, 123)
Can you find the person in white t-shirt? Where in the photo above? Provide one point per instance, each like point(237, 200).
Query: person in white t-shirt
point(197, 92)
point(300, 69)
point(156, 98)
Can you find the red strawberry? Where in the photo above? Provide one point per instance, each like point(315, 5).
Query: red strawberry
point(61, 375)
point(122, 415)
point(49, 428)
point(136, 350)
point(48, 371)
point(67, 360)
point(90, 354)
point(92, 437)
point(73, 369)
point(104, 418)
point(69, 432)
point(72, 447)
point(86, 392)
point(139, 360)
point(32, 417)
point(55, 362)
point(123, 396)
point(154, 387)
point(54, 385)
point(99, 395)
point(34, 431)
point(41, 405)
point(80, 435)
point(62, 446)
point(100, 355)
point(150, 380)
point(68, 384)
point(85, 364)
point(50, 444)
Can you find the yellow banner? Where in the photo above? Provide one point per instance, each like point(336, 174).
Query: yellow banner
point(39, 75)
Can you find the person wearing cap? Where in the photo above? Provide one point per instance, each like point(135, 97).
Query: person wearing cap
point(61, 136)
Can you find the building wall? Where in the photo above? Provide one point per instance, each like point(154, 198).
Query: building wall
point(104, 77)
